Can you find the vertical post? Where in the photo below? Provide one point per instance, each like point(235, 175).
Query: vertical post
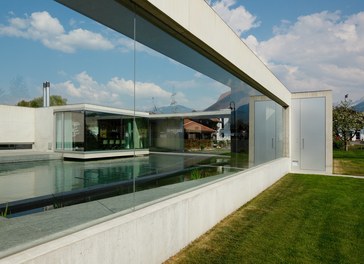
point(233, 128)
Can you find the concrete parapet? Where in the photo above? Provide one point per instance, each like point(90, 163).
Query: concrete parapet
point(156, 232)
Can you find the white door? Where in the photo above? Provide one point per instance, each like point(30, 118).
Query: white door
point(308, 134)
point(313, 137)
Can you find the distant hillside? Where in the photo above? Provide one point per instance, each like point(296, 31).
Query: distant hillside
point(359, 106)
point(224, 102)
point(173, 109)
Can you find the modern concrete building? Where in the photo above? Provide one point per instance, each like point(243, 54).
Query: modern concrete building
point(273, 132)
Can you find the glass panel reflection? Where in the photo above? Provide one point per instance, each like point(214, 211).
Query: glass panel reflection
point(62, 183)
point(100, 131)
point(216, 123)
point(185, 81)
point(268, 133)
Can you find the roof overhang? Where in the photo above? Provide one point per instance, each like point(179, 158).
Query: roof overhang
point(225, 113)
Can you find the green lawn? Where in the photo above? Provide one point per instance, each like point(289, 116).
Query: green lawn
point(349, 162)
point(300, 219)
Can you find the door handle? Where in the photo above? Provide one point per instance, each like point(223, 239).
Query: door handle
point(303, 143)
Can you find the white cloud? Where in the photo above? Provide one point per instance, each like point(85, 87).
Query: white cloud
point(116, 92)
point(142, 89)
point(41, 26)
point(237, 17)
point(318, 51)
point(119, 92)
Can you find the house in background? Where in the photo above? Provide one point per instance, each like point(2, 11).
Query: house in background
point(196, 130)
point(359, 136)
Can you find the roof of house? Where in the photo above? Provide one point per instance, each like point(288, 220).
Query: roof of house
point(194, 127)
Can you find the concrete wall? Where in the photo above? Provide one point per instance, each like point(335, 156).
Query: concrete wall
point(44, 129)
point(27, 125)
point(17, 124)
point(156, 232)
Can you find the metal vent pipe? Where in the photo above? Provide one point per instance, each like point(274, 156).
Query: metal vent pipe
point(46, 96)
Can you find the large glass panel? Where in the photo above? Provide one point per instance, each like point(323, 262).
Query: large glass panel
point(59, 131)
point(265, 128)
point(93, 140)
point(70, 131)
point(268, 130)
point(167, 134)
point(67, 131)
point(128, 141)
point(280, 135)
point(203, 124)
point(105, 131)
point(195, 106)
point(141, 134)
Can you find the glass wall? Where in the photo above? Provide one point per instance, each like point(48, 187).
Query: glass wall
point(194, 105)
point(70, 135)
point(187, 82)
point(268, 136)
point(98, 131)
point(199, 121)
point(166, 134)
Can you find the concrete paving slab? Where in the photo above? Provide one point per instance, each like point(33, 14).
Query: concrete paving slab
point(11, 156)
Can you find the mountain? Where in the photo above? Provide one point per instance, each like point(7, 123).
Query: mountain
point(224, 102)
point(225, 99)
point(359, 105)
point(173, 109)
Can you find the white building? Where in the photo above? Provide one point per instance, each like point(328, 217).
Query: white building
point(275, 131)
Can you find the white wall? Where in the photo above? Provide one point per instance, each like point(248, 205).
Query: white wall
point(154, 233)
point(44, 129)
point(27, 125)
point(17, 124)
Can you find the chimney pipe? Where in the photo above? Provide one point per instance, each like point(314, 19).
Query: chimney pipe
point(46, 96)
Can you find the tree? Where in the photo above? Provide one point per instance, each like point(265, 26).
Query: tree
point(38, 101)
point(346, 122)
point(57, 100)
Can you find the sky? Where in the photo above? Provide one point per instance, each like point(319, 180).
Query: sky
point(307, 44)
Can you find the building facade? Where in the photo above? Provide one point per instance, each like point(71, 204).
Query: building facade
point(270, 130)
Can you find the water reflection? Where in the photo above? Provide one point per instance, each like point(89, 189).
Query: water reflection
point(35, 179)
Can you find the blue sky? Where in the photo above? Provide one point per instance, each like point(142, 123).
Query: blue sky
point(308, 45)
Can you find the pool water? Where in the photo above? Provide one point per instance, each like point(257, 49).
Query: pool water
point(29, 185)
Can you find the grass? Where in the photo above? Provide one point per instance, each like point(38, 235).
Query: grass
point(5, 212)
point(349, 162)
point(300, 219)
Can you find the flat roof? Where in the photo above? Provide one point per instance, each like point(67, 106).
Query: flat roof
point(202, 114)
point(99, 108)
point(111, 110)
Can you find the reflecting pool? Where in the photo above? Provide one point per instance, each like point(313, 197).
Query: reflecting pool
point(29, 185)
